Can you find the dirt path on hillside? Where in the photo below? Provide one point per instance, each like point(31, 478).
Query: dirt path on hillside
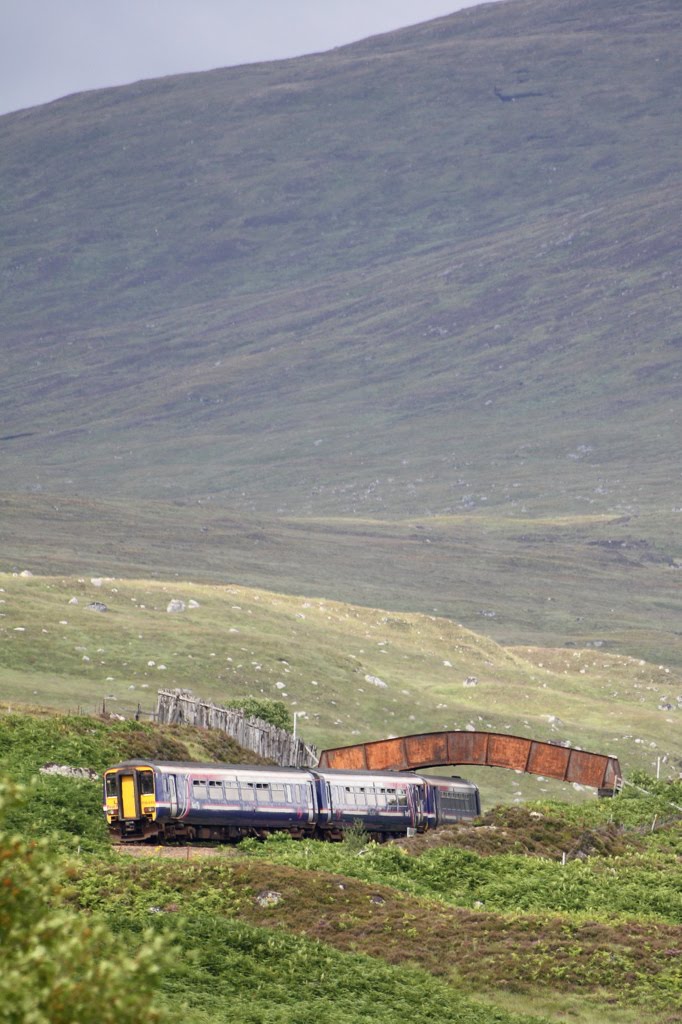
point(177, 852)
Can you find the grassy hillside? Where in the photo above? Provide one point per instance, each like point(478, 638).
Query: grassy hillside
point(549, 581)
point(429, 272)
point(522, 917)
point(395, 325)
point(349, 672)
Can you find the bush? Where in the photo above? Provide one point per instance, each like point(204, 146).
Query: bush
point(272, 711)
point(57, 967)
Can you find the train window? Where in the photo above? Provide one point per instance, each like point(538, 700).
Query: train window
point(279, 794)
point(231, 787)
point(215, 790)
point(263, 792)
point(456, 800)
point(111, 785)
point(146, 781)
point(199, 789)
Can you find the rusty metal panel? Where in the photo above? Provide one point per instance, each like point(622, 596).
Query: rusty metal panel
point(587, 769)
point(386, 754)
point(344, 757)
point(508, 752)
point(467, 748)
point(548, 759)
point(427, 749)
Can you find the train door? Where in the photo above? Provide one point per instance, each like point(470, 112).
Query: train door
point(173, 796)
point(177, 795)
point(129, 800)
point(417, 797)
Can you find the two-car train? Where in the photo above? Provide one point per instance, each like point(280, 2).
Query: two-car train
point(185, 801)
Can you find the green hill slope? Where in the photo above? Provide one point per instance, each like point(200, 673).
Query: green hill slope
point(428, 272)
point(350, 673)
point(397, 325)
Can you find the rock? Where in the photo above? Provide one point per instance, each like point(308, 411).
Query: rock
point(193, 604)
point(71, 773)
point(96, 606)
point(96, 581)
point(26, 572)
point(268, 898)
point(376, 898)
point(73, 600)
point(470, 681)
point(175, 606)
point(375, 681)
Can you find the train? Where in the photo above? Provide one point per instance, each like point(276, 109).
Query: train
point(183, 801)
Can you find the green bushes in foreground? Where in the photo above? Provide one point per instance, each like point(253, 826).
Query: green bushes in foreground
point(57, 967)
point(647, 886)
point(230, 971)
point(109, 967)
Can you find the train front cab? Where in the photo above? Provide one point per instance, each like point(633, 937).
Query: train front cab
point(130, 801)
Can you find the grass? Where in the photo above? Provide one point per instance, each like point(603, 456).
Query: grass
point(323, 658)
point(464, 929)
point(551, 581)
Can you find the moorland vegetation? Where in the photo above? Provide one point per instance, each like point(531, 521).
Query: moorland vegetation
point(484, 923)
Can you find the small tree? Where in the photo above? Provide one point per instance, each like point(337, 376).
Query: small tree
point(57, 967)
point(272, 711)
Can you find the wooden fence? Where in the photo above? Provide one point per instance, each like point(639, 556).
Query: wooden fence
point(181, 707)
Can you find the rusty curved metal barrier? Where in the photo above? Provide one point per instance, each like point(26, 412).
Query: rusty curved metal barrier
point(496, 750)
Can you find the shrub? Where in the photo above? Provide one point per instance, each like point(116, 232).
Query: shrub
point(56, 966)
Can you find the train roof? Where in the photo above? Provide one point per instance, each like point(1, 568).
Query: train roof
point(386, 775)
point(209, 766)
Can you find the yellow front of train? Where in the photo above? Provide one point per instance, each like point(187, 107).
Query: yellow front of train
point(130, 801)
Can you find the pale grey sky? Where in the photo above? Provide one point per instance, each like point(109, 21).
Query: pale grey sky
point(51, 48)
